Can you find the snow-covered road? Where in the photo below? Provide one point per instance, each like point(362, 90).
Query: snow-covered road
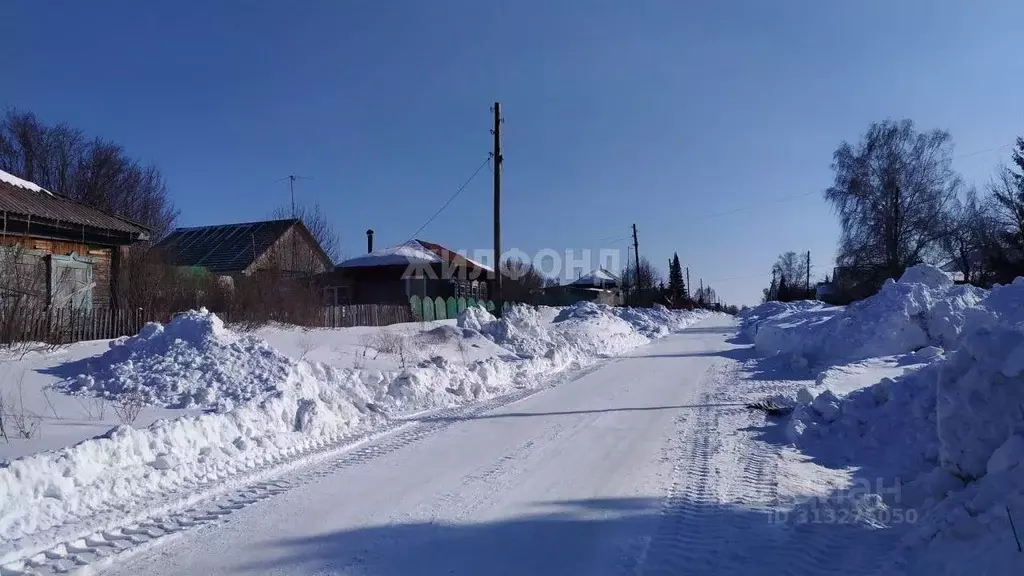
point(627, 469)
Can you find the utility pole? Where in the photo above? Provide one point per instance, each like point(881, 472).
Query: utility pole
point(687, 283)
point(499, 302)
point(636, 255)
point(291, 187)
point(808, 273)
point(700, 294)
point(771, 290)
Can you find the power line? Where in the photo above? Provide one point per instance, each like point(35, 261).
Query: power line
point(452, 199)
point(748, 277)
point(813, 192)
point(748, 207)
point(996, 149)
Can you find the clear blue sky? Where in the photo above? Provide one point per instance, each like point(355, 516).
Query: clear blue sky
point(661, 113)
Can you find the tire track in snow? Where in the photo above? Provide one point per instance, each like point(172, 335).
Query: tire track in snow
point(189, 506)
point(714, 522)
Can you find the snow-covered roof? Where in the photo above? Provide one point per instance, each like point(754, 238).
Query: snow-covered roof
point(411, 252)
point(15, 181)
point(21, 199)
point(452, 255)
point(596, 277)
point(478, 264)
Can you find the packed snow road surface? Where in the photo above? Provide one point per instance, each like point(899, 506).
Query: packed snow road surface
point(616, 472)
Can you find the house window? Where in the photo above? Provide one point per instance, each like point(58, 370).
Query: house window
point(329, 296)
point(344, 295)
point(336, 296)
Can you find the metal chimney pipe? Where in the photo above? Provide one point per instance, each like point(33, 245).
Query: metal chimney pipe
point(369, 241)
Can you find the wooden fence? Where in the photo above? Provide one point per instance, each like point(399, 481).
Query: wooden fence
point(365, 315)
point(66, 325)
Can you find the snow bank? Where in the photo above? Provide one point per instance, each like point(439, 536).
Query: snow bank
point(475, 318)
point(281, 406)
point(950, 437)
point(192, 362)
point(981, 389)
point(922, 308)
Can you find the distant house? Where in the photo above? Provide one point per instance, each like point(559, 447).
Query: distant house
point(598, 278)
point(849, 283)
point(598, 285)
point(58, 252)
point(413, 268)
point(974, 262)
point(244, 249)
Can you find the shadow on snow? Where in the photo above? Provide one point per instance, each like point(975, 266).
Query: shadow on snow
point(572, 412)
point(585, 537)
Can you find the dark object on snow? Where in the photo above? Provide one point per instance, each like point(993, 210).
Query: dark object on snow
point(1014, 528)
point(770, 407)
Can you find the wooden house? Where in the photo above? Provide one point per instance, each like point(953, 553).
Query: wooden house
point(55, 252)
point(243, 249)
point(395, 274)
point(598, 285)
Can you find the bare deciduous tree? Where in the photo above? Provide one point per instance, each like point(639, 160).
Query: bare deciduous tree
point(646, 276)
point(793, 267)
point(640, 283)
point(891, 192)
point(521, 280)
point(969, 232)
point(95, 172)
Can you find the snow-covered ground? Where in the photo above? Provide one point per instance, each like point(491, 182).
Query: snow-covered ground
point(222, 409)
point(920, 309)
point(446, 448)
point(918, 398)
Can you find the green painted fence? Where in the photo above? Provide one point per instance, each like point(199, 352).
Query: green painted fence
point(428, 309)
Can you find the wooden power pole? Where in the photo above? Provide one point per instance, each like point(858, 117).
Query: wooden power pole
point(636, 256)
point(499, 302)
point(808, 273)
point(687, 283)
point(291, 187)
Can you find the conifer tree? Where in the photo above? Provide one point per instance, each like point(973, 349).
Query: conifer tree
point(676, 287)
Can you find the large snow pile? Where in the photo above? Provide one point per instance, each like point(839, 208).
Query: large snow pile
point(584, 329)
point(950, 437)
point(981, 388)
point(922, 308)
point(282, 406)
point(192, 362)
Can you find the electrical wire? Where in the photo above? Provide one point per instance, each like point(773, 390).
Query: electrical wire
point(452, 199)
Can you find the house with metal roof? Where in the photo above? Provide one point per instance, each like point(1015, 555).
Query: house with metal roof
point(245, 248)
point(412, 268)
point(597, 278)
point(598, 285)
point(58, 252)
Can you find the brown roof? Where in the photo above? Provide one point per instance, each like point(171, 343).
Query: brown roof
point(60, 211)
point(454, 258)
